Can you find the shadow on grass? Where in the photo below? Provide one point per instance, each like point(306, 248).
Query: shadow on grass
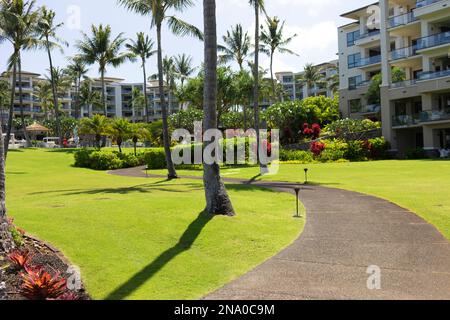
point(184, 244)
point(70, 151)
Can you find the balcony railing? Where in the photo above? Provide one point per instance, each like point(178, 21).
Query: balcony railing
point(424, 3)
point(424, 116)
point(402, 20)
point(433, 40)
point(368, 61)
point(361, 84)
point(372, 108)
point(403, 84)
point(403, 53)
point(368, 34)
point(430, 75)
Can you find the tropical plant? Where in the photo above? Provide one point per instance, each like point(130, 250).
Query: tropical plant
point(158, 10)
point(312, 76)
point(142, 48)
point(273, 40)
point(88, 97)
point(76, 70)
point(333, 80)
point(18, 23)
point(183, 67)
point(5, 90)
point(46, 30)
point(38, 284)
point(169, 78)
point(373, 94)
point(184, 119)
point(43, 92)
point(119, 130)
point(97, 126)
point(138, 102)
point(20, 259)
point(217, 199)
point(138, 132)
point(104, 50)
point(67, 126)
point(237, 46)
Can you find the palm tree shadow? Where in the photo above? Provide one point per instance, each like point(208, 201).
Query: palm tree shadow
point(184, 243)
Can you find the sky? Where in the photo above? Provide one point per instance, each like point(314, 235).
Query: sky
point(314, 22)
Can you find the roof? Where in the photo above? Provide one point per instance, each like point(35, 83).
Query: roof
point(36, 127)
point(355, 14)
point(28, 73)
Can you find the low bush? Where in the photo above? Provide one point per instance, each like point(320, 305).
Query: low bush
point(155, 158)
point(107, 160)
point(379, 148)
point(415, 153)
point(335, 150)
point(296, 155)
point(356, 151)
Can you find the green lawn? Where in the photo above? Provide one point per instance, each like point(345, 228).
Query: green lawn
point(422, 186)
point(144, 239)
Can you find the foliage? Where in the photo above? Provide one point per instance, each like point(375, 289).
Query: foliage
point(351, 128)
point(378, 148)
point(97, 126)
point(67, 124)
point(38, 284)
point(184, 119)
point(373, 92)
point(16, 233)
point(317, 147)
point(356, 151)
point(106, 160)
point(155, 130)
point(335, 150)
point(415, 153)
point(119, 130)
point(296, 155)
point(232, 120)
point(155, 158)
point(19, 259)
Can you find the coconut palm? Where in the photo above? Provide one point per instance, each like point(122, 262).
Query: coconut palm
point(18, 23)
point(46, 29)
point(312, 76)
point(217, 199)
point(333, 81)
point(142, 47)
point(138, 101)
point(97, 126)
point(4, 99)
point(158, 10)
point(273, 40)
point(138, 132)
point(183, 67)
point(104, 50)
point(169, 77)
point(88, 97)
point(237, 46)
point(43, 92)
point(119, 130)
point(76, 70)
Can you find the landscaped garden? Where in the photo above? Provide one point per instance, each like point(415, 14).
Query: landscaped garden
point(144, 239)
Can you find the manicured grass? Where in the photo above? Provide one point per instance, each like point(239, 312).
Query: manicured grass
point(144, 239)
point(422, 186)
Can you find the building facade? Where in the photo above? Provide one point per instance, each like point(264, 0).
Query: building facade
point(411, 40)
point(118, 94)
point(297, 91)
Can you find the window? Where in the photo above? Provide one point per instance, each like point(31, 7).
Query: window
point(288, 79)
point(354, 81)
point(352, 37)
point(355, 105)
point(353, 60)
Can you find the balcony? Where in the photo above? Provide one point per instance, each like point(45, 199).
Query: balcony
point(368, 37)
point(364, 62)
point(422, 117)
point(403, 84)
point(403, 53)
point(430, 75)
point(361, 84)
point(424, 3)
point(434, 40)
point(402, 20)
point(368, 109)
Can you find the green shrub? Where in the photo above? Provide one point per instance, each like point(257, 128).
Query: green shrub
point(335, 150)
point(155, 158)
point(100, 160)
point(356, 151)
point(106, 160)
point(379, 148)
point(415, 153)
point(296, 155)
point(82, 158)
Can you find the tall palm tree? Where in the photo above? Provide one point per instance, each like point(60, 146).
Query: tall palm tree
point(43, 92)
point(237, 46)
point(46, 30)
point(142, 47)
point(169, 77)
point(4, 99)
point(138, 101)
point(217, 199)
point(100, 48)
point(76, 70)
point(158, 10)
point(183, 67)
point(18, 23)
point(88, 97)
point(312, 76)
point(273, 40)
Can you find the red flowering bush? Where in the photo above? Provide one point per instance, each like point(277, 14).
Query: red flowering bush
point(316, 131)
point(312, 132)
point(317, 148)
point(267, 147)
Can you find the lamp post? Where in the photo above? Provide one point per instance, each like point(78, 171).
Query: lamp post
point(306, 175)
point(297, 193)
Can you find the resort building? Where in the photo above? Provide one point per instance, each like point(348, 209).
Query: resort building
point(411, 40)
point(297, 91)
point(118, 93)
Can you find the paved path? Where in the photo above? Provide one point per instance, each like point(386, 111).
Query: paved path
point(346, 232)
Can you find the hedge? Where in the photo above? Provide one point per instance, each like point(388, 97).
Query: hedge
point(106, 160)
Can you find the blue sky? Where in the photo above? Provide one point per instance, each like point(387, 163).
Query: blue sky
point(314, 21)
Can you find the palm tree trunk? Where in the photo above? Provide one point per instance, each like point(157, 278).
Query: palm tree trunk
point(11, 110)
point(78, 105)
point(22, 116)
point(147, 116)
point(256, 77)
point(105, 106)
point(55, 95)
point(6, 241)
point(271, 77)
point(172, 174)
point(217, 199)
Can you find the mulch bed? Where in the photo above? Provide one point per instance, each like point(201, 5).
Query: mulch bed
point(44, 256)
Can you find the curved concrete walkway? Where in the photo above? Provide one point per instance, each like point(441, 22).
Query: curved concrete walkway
point(345, 234)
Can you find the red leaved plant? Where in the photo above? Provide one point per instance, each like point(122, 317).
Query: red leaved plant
point(20, 259)
point(41, 285)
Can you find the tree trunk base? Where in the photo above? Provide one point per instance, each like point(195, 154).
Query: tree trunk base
point(6, 240)
point(217, 199)
point(172, 177)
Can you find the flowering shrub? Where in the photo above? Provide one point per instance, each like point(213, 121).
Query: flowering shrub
point(317, 147)
point(312, 132)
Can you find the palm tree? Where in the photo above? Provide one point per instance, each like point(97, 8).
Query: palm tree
point(158, 10)
point(217, 199)
point(18, 23)
point(333, 81)
point(98, 126)
point(88, 97)
point(273, 40)
point(43, 92)
point(120, 130)
point(237, 46)
point(138, 101)
point(77, 70)
point(138, 132)
point(62, 84)
point(312, 76)
point(4, 99)
point(143, 48)
point(46, 30)
point(183, 67)
point(101, 49)
point(169, 75)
